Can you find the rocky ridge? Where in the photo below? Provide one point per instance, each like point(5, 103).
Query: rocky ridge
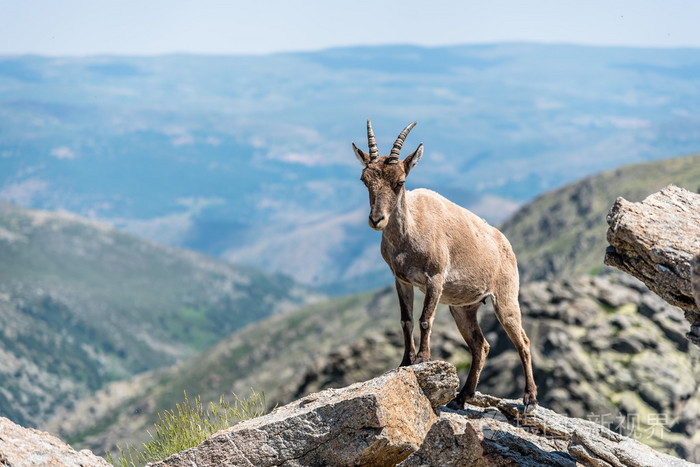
point(695, 279)
point(398, 419)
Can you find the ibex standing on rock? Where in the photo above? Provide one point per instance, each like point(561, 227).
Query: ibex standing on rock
point(451, 255)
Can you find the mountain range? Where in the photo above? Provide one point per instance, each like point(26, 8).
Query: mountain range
point(248, 158)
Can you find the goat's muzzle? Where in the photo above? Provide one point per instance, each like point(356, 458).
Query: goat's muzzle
point(377, 224)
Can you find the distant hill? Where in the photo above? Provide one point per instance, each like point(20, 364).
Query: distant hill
point(248, 157)
point(562, 233)
point(83, 304)
point(597, 341)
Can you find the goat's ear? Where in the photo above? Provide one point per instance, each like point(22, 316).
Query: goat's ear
point(411, 161)
point(362, 156)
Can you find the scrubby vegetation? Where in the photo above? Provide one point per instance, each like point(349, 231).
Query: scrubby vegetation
point(188, 425)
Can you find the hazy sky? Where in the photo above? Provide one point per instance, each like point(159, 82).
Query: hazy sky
point(144, 27)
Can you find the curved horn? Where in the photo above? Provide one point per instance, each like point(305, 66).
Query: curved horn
point(399, 141)
point(373, 151)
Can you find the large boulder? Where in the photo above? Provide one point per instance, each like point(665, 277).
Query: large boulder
point(656, 240)
point(20, 447)
point(397, 418)
point(378, 422)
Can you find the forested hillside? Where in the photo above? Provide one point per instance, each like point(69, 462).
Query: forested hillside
point(83, 304)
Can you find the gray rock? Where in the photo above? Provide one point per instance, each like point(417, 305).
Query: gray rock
point(612, 295)
point(389, 420)
point(656, 240)
point(695, 278)
point(438, 380)
point(626, 344)
point(663, 383)
point(633, 340)
point(507, 437)
point(669, 319)
point(451, 440)
point(21, 447)
point(378, 422)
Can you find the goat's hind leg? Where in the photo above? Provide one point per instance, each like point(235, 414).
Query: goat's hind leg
point(465, 317)
point(508, 313)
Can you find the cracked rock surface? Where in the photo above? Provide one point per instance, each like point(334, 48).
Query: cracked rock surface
point(656, 240)
point(494, 432)
point(377, 422)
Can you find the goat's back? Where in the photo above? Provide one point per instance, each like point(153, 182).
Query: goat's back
point(468, 240)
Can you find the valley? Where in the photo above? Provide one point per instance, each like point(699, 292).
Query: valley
point(83, 304)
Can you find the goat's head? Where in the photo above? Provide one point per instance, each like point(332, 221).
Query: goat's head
point(385, 176)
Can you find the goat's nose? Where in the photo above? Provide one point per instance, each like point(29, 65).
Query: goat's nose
point(375, 222)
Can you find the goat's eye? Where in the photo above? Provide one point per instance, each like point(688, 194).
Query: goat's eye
point(399, 183)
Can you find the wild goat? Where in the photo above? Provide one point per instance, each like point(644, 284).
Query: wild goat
point(450, 254)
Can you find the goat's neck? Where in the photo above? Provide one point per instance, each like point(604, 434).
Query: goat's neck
point(399, 227)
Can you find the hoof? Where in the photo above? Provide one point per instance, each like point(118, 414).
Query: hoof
point(407, 360)
point(420, 359)
point(455, 405)
point(529, 403)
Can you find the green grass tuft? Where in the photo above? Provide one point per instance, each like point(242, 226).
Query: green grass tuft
point(187, 426)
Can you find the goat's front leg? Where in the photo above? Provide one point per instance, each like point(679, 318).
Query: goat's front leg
point(405, 293)
point(433, 290)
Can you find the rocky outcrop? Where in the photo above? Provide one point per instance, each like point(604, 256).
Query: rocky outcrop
point(378, 422)
point(604, 348)
point(398, 418)
point(20, 447)
point(492, 431)
point(655, 240)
